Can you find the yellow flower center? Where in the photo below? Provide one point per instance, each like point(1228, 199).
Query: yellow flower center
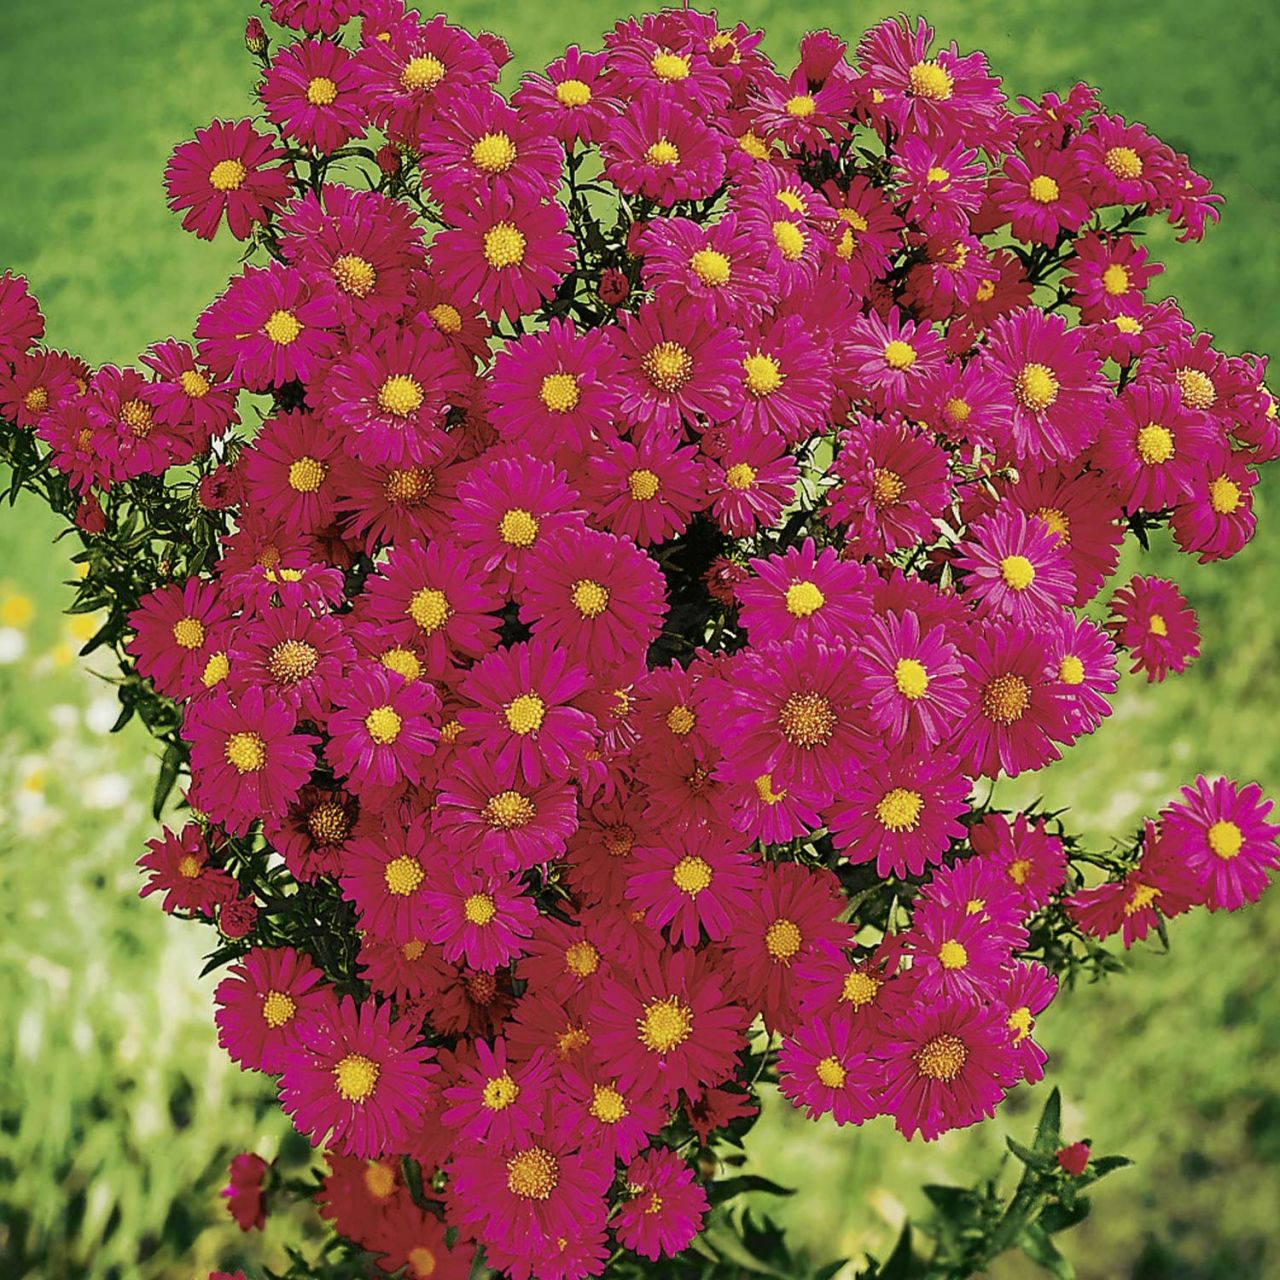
point(858, 988)
point(291, 661)
point(1043, 189)
point(1225, 839)
point(1115, 280)
point(831, 1072)
point(886, 487)
point(789, 238)
point(581, 959)
point(1141, 896)
point(910, 678)
point(136, 415)
point(216, 670)
point(1036, 387)
point(643, 484)
point(532, 1174)
point(282, 327)
point(1127, 324)
point(429, 609)
point(899, 355)
point(1197, 388)
point(928, 80)
point(422, 72)
point(479, 909)
point(1157, 625)
point(504, 246)
point(227, 175)
point(306, 474)
point(246, 752)
point(1018, 572)
point(354, 275)
point(664, 1024)
point(518, 528)
point(189, 867)
point(952, 955)
point(1006, 698)
point(383, 725)
point(670, 66)
point(668, 366)
point(194, 383)
point(691, 875)
point(188, 633)
point(422, 1262)
point(590, 598)
point(607, 1104)
point(509, 810)
point(524, 713)
point(740, 476)
point(663, 154)
point(899, 809)
point(1020, 1023)
point(804, 599)
point(1124, 162)
point(321, 92)
point(1071, 670)
point(37, 399)
point(494, 153)
point(403, 875)
point(1057, 522)
point(807, 720)
point(765, 792)
point(356, 1077)
point(404, 662)
point(379, 1180)
point(764, 376)
point(560, 392)
point(328, 823)
point(500, 1092)
point(801, 106)
point(409, 486)
point(1224, 495)
point(400, 395)
point(446, 318)
point(782, 939)
point(942, 1057)
point(1154, 444)
point(680, 720)
point(937, 176)
point(711, 267)
point(573, 93)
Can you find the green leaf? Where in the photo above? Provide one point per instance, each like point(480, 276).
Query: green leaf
point(170, 764)
point(727, 1188)
point(1049, 1130)
point(1042, 1251)
point(1060, 1216)
point(900, 1263)
point(1032, 1159)
point(1104, 1165)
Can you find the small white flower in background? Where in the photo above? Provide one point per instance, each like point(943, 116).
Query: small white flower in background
point(106, 791)
point(13, 645)
point(101, 714)
point(64, 717)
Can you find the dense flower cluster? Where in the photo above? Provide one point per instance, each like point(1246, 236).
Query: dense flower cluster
point(677, 487)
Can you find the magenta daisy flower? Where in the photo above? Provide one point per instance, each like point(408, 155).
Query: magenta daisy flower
point(570, 101)
point(660, 150)
point(1085, 660)
point(825, 1069)
point(480, 145)
point(1215, 519)
point(482, 920)
point(509, 253)
point(231, 170)
point(1220, 831)
point(667, 1025)
point(524, 712)
point(490, 811)
point(943, 184)
point(902, 811)
point(357, 1081)
point(598, 595)
point(315, 833)
point(286, 470)
point(298, 656)
point(1040, 196)
point(178, 866)
point(713, 267)
point(1015, 568)
point(666, 1208)
point(1018, 712)
point(384, 873)
point(867, 232)
point(750, 480)
point(382, 728)
point(677, 366)
point(268, 997)
point(310, 94)
point(556, 388)
point(1027, 991)
point(955, 953)
point(1122, 162)
point(1057, 394)
point(175, 630)
point(804, 592)
point(315, 17)
point(1032, 861)
point(38, 382)
point(787, 380)
point(1108, 276)
point(270, 326)
point(492, 1099)
point(134, 444)
point(21, 321)
point(945, 1065)
point(886, 361)
point(619, 1124)
point(698, 881)
point(433, 599)
point(1151, 618)
point(247, 760)
point(184, 397)
point(647, 491)
point(1153, 446)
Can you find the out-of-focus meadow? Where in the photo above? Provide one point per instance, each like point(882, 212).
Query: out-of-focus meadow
point(118, 1112)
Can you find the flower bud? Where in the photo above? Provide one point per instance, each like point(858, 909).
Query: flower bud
point(614, 286)
point(237, 918)
point(255, 37)
point(1074, 1159)
point(388, 158)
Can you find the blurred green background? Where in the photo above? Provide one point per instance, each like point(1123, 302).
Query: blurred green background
point(117, 1111)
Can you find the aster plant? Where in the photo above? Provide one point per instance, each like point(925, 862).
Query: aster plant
point(586, 576)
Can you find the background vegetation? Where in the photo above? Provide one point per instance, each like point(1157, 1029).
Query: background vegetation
point(117, 1111)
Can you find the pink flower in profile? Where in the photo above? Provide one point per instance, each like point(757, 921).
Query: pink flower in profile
point(509, 253)
point(310, 94)
point(229, 170)
point(179, 868)
point(357, 1081)
point(315, 17)
point(1151, 618)
point(21, 322)
point(824, 1068)
point(1219, 830)
point(270, 326)
point(244, 1192)
point(1026, 992)
point(666, 1208)
point(1016, 568)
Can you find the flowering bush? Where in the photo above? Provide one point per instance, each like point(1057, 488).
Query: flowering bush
point(673, 498)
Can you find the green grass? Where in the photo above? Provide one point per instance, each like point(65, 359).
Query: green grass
point(115, 1100)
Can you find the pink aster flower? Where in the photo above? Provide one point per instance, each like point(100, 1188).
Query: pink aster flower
point(489, 811)
point(231, 170)
point(570, 100)
point(1219, 830)
point(556, 388)
point(21, 321)
point(382, 728)
point(178, 866)
point(943, 184)
point(1153, 445)
point(1216, 519)
point(698, 881)
point(270, 326)
point(384, 873)
point(1085, 659)
point(824, 1068)
point(1108, 276)
point(1056, 391)
point(1016, 568)
point(1123, 162)
point(1017, 713)
point(482, 920)
point(492, 1099)
point(786, 379)
point(298, 656)
point(247, 760)
point(713, 267)
point(1032, 860)
point(264, 1002)
point(750, 480)
point(184, 397)
point(38, 382)
point(310, 95)
point(357, 1081)
point(677, 366)
point(804, 592)
point(524, 712)
point(667, 1025)
point(1026, 992)
point(666, 1208)
point(867, 232)
point(596, 594)
point(286, 470)
point(1151, 618)
point(509, 253)
point(134, 444)
point(1041, 195)
point(480, 145)
point(619, 1124)
point(433, 598)
point(945, 1065)
point(955, 953)
point(901, 811)
point(648, 490)
point(175, 633)
point(886, 361)
point(315, 17)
